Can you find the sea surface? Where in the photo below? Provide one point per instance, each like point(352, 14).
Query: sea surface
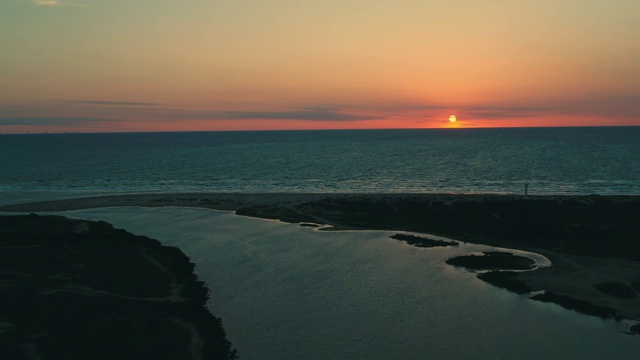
point(595, 160)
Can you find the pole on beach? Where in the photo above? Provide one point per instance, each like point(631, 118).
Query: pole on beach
point(526, 190)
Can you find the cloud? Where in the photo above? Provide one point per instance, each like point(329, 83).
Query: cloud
point(295, 115)
point(46, 2)
point(48, 120)
point(115, 103)
point(501, 112)
point(311, 114)
point(52, 3)
point(437, 110)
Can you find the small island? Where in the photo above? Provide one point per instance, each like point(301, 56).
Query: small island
point(493, 260)
point(580, 306)
point(424, 242)
point(309, 225)
point(506, 280)
point(76, 289)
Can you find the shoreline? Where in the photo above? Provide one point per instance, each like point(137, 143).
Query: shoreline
point(589, 239)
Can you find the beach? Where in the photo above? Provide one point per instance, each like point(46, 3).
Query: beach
point(590, 240)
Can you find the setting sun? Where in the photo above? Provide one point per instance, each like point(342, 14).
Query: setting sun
point(453, 118)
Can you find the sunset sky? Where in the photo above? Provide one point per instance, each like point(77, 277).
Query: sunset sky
point(169, 65)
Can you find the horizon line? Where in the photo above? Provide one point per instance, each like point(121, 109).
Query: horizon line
point(352, 129)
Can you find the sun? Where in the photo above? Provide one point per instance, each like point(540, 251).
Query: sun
point(453, 118)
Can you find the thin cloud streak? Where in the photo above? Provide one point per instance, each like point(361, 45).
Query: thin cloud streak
point(115, 103)
point(49, 121)
point(306, 114)
point(150, 115)
point(53, 3)
point(46, 2)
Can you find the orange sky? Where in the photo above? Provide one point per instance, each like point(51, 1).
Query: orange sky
point(162, 65)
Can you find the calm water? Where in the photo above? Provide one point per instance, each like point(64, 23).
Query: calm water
point(551, 160)
point(288, 292)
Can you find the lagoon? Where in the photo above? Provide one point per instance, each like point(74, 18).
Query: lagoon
point(289, 292)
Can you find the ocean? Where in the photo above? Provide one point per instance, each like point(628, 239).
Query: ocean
point(289, 292)
point(596, 160)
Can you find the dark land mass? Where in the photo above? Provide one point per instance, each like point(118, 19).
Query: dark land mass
point(616, 289)
point(75, 289)
point(493, 260)
point(584, 307)
point(310, 225)
point(506, 280)
point(589, 239)
point(421, 241)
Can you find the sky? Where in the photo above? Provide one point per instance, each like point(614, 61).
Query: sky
point(192, 65)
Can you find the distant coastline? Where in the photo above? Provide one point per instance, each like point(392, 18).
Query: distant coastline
point(589, 239)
